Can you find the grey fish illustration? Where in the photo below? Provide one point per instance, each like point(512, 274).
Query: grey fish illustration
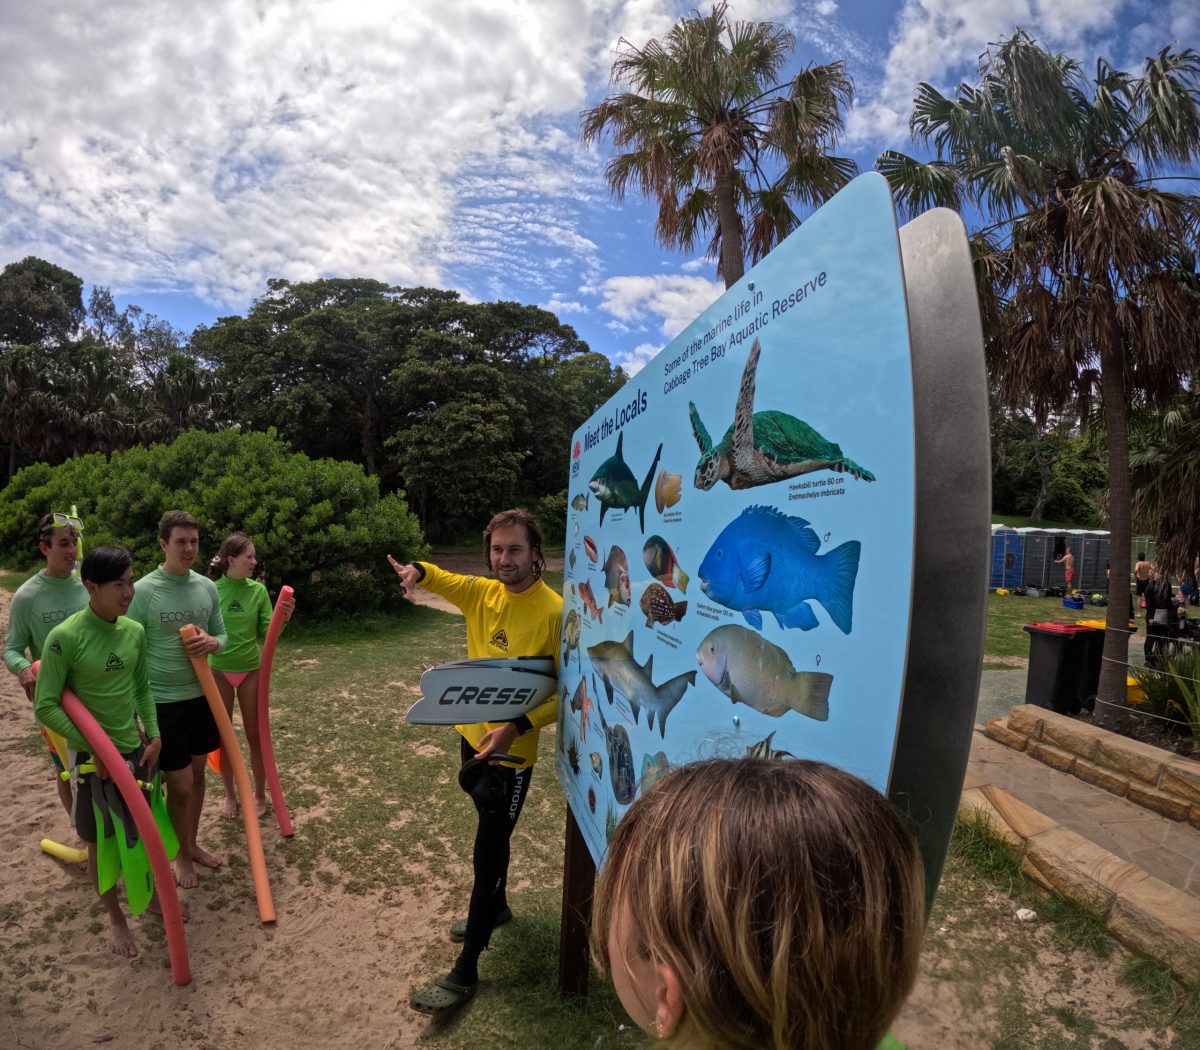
point(656, 603)
point(750, 670)
point(571, 631)
point(580, 502)
point(621, 673)
point(571, 560)
point(615, 486)
point(616, 577)
point(597, 764)
point(763, 749)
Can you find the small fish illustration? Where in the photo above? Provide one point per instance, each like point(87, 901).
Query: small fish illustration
point(766, 561)
point(575, 529)
point(616, 577)
point(571, 632)
point(667, 490)
point(592, 799)
point(581, 704)
point(621, 673)
point(573, 757)
point(620, 762)
point(571, 560)
point(662, 564)
point(654, 767)
point(610, 825)
point(580, 502)
point(656, 603)
point(750, 670)
point(763, 749)
point(597, 764)
point(615, 486)
point(591, 550)
point(589, 601)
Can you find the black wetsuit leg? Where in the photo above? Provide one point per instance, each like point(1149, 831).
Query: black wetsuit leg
point(497, 819)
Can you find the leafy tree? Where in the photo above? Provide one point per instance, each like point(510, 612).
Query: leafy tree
point(1088, 264)
point(40, 303)
point(319, 525)
point(1166, 480)
point(708, 132)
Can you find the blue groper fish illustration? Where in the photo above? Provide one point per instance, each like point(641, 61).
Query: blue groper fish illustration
point(765, 560)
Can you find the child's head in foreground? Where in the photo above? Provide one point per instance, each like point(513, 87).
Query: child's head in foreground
point(756, 903)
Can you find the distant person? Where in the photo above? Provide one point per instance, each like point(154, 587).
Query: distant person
point(1141, 574)
point(246, 613)
point(1067, 561)
point(100, 655)
point(1159, 611)
point(753, 903)
point(41, 603)
point(164, 600)
point(515, 614)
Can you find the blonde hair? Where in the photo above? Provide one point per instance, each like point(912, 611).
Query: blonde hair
point(787, 896)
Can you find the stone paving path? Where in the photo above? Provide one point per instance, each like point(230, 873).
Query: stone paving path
point(1165, 848)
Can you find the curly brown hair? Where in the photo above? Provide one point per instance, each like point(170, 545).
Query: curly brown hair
point(507, 519)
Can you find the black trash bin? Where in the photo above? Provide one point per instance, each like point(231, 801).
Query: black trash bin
point(1056, 653)
point(1091, 640)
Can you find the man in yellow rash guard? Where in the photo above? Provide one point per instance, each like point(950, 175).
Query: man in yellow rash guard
point(41, 603)
point(515, 614)
point(100, 655)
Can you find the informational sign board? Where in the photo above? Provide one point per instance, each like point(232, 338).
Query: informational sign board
point(740, 538)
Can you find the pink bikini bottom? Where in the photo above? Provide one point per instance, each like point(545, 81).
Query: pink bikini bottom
point(236, 678)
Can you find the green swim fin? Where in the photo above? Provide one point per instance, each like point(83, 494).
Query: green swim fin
point(135, 864)
point(108, 857)
point(158, 807)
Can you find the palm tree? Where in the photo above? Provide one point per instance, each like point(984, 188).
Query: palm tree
point(1166, 481)
point(1087, 268)
point(707, 132)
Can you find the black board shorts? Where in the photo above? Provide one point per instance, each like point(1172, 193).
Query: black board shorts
point(187, 730)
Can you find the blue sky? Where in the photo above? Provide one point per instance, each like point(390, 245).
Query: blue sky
point(181, 154)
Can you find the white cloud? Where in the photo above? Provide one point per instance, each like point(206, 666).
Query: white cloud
point(633, 361)
point(205, 148)
point(940, 41)
point(565, 306)
point(674, 300)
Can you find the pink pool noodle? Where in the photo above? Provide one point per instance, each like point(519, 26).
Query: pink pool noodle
point(264, 715)
point(164, 877)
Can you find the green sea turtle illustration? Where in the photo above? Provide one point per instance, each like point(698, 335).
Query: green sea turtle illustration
point(762, 447)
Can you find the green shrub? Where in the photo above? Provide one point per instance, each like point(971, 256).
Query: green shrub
point(318, 525)
point(551, 513)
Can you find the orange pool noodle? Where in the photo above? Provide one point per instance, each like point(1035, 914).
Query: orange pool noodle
point(233, 754)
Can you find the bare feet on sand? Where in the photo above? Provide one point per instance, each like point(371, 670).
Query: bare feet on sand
point(202, 856)
point(185, 873)
point(229, 809)
point(121, 941)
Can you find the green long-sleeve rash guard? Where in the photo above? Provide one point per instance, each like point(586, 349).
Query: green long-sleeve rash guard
point(104, 664)
point(162, 603)
point(41, 603)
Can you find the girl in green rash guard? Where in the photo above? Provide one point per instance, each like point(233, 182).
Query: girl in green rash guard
point(100, 655)
point(246, 610)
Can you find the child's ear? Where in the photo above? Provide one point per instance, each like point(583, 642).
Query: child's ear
point(669, 1005)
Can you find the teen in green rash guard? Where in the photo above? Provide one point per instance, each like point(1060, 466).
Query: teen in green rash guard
point(246, 610)
point(164, 600)
point(100, 655)
point(41, 604)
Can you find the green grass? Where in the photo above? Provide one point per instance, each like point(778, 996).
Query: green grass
point(11, 579)
point(1008, 613)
